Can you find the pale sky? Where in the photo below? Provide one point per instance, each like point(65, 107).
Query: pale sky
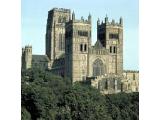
point(34, 18)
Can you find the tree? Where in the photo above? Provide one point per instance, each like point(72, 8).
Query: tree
point(85, 103)
point(25, 115)
point(46, 96)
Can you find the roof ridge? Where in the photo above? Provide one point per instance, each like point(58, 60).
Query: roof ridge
point(98, 44)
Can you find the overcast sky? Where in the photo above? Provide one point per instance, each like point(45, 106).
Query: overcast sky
point(34, 19)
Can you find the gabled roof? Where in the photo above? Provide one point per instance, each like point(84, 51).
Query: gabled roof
point(40, 58)
point(98, 45)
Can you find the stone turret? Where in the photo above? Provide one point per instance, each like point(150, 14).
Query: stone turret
point(106, 19)
point(121, 21)
point(23, 50)
point(102, 22)
point(89, 18)
point(82, 18)
point(22, 58)
point(27, 57)
point(98, 22)
point(73, 16)
point(113, 22)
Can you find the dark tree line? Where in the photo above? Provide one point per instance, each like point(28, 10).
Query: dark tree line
point(46, 96)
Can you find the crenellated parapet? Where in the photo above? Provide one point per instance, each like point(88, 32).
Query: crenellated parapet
point(130, 71)
point(82, 20)
point(28, 47)
point(27, 50)
point(61, 9)
point(112, 23)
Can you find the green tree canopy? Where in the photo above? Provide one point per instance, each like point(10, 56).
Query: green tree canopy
point(46, 96)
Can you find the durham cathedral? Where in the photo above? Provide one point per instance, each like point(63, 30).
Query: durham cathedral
point(69, 52)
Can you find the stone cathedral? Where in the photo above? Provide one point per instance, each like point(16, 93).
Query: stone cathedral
point(70, 53)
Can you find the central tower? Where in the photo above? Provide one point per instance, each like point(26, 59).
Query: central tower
point(55, 32)
point(78, 40)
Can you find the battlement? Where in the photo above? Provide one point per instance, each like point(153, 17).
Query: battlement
point(61, 9)
point(130, 71)
point(79, 21)
point(106, 22)
point(28, 46)
point(82, 20)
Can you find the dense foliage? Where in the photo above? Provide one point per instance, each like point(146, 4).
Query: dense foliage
point(46, 96)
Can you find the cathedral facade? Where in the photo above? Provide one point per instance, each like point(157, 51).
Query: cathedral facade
point(70, 53)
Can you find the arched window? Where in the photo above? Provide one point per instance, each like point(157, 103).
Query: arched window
point(114, 49)
point(85, 47)
point(110, 49)
point(81, 47)
point(134, 77)
point(59, 19)
point(64, 19)
point(63, 41)
point(98, 67)
point(60, 41)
